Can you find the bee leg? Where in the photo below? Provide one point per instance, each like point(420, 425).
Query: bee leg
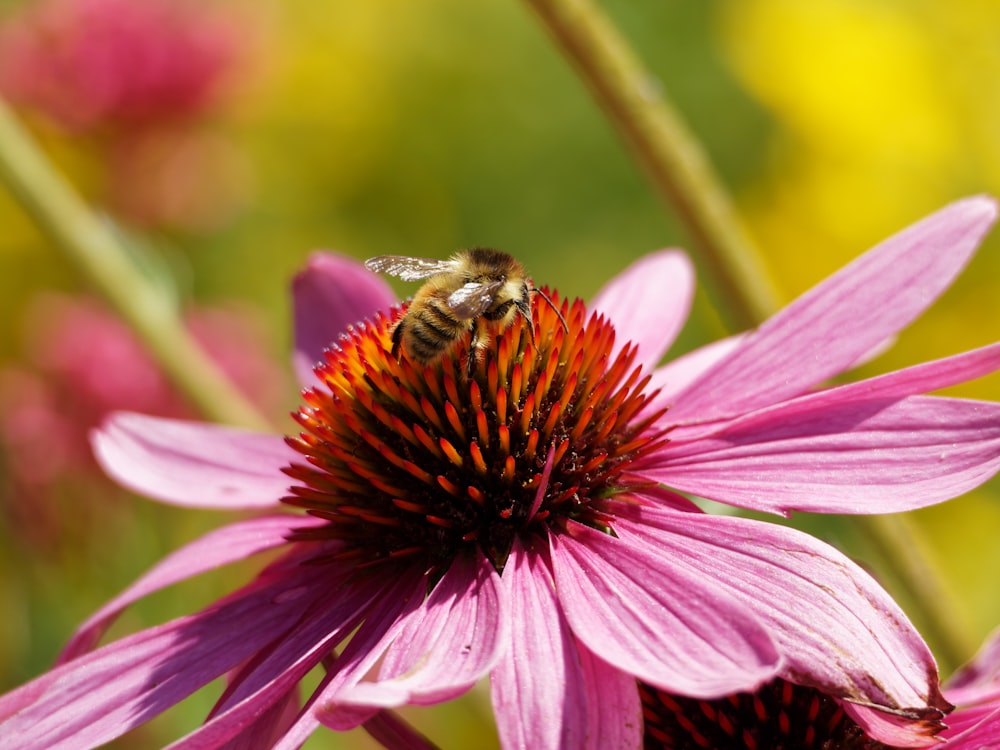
point(470, 364)
point(397, 339)
point(524, 308)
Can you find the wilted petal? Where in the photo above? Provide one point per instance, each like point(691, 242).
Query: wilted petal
point(824, 454)
point(660, 620)
point(331, 293)
point(443, 647)
point(830, 327)
point(217, 548)
point(837, 630)
point(648, 303)
point(193, 463)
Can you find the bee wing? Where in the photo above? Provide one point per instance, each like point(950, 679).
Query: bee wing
point(473, 299)
point(406, 268)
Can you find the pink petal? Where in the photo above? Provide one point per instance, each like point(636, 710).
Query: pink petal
point(192, 463)
point(978, 680)
point(221, 547)
point(831, 326)
point(648, 303)
point(614, 713)
point(664, 623)
point(897, 728)
point(835, 627)
point(548, 690)
point(824, 454)
point(983, 735)
point(443, 647)
point(678, 374)
point(300, 731)
point(910, 381)
point(331, 293)
point(366, 648)
point(103, 694)
point(272, 673)
point(264, 729)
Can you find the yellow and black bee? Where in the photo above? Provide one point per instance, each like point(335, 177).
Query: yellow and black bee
point(479, 290)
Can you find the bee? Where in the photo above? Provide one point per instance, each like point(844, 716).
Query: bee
point(480, 290)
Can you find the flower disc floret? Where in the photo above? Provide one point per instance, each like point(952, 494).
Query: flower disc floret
point(407, 460)
point(778, 714)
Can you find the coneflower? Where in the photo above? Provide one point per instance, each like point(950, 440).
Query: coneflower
point(524, 522)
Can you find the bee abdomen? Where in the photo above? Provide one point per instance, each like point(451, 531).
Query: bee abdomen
point(431, 329)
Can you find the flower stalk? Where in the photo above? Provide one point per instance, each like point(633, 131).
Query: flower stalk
point(634, 101)
point(899, 540)
point(100, 256)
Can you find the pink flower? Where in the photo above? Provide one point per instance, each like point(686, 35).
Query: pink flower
point(90, 64)
point(83, 363)
point(518, 524)
point(134, 83)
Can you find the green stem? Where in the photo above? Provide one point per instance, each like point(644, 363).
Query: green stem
point(394, 733)
point(634, 101)
point(97, 252)
point(899, 540)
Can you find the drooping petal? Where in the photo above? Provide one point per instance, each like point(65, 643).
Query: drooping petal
point(103, 694)
point(217, 548)
point(265, 681)
point(263, 730)
point(663, 622)
point(548, 690)
point(648, 303)
point(829, 454)
point(831, 326)
point(443, 647)
point(365, 650)
point(192, 463)
point(836, 628)
point(331, 293)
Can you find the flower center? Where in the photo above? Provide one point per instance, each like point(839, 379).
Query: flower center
point(407, 461)
point(778, 715)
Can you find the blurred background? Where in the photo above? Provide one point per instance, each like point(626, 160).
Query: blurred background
point(228, 139)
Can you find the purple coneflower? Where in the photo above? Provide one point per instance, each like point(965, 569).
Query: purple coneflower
point(525, 522)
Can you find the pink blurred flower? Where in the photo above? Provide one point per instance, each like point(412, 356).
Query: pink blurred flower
point(82, 364)
point(93, 64)
point(517, 524)
point(135, 82)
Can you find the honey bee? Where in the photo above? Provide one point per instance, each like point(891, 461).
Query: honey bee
point(480, 290)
